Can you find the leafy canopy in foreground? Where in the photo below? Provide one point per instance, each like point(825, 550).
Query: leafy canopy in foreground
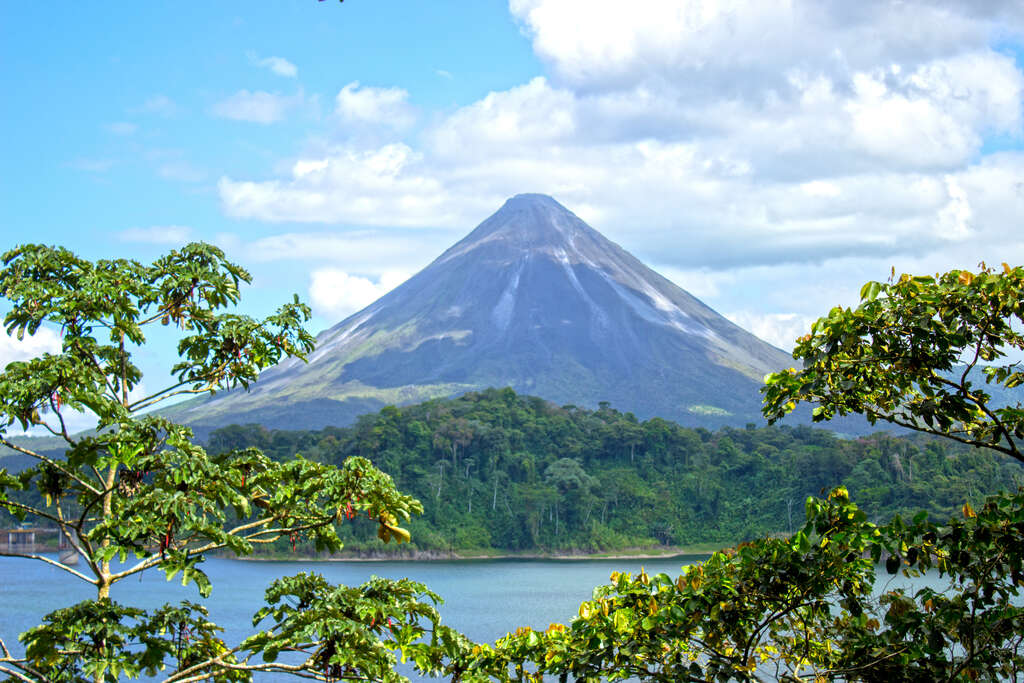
point(802, 608)
point(807, 608)
point(137, 493)
point(897, 358)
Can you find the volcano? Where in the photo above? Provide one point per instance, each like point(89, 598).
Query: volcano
point(534, 299)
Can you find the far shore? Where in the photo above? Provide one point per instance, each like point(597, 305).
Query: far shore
point(665, 553)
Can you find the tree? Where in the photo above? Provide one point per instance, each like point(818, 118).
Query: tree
point(909, 355)
point(801, 609)
point(138, 487)
point(804, 608)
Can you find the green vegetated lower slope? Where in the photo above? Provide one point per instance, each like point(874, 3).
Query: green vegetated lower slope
point(505, 472)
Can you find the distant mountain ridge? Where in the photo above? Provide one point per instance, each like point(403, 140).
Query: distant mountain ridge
point(535, 299)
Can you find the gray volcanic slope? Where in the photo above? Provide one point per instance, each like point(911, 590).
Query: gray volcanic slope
point(535, 299)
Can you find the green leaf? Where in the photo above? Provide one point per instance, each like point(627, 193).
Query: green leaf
point(869, 292)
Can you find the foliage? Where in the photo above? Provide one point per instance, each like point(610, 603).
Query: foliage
point(893, 358)
point(529, 476)
point(138, 494)
point(802, 608)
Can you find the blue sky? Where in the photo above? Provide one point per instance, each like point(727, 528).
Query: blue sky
point(112, 104)
point(767, 155)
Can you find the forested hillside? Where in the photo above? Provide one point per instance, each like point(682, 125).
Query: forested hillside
point(497, 470)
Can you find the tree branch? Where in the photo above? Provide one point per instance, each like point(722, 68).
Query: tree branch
point(50, 461)
point(163, 396)
point(194, 673)
point(962, 390)
point(29, 509)
point(905, 422)
point(67, 535)
point(47, 560)
point(19, 676)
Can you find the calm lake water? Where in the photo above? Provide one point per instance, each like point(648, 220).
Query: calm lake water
point(483, 598)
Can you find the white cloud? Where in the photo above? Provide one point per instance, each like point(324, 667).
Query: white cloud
point(668, 199)
point(354, 251)
point(794, 86)
point(384, 186)
point(702, 283)
point(43, 341)
point(377, 106)
point(746, 46)
point(304, 167)
point(793, 129)
point(529, 114)
point(937, 114)
point(75, 422)
point(771, 151)
point(158, 234)
point(954, 219)
point(336, 293)
point(256, 107)
point(780, 329)
point(277, 65)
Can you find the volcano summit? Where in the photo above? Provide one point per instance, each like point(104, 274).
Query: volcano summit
point(535, 299)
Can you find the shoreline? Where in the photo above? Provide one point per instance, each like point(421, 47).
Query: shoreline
point(669, 552)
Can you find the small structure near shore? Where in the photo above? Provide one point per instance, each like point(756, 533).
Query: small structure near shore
point(29, 540)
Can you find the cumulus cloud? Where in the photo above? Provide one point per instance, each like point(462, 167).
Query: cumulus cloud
point(780, 329)
point(530, 114)
point(376, 106)
point(256, 107)
point(277, 65)
point(354, 251)
point(954, 219)
point(746, 47)
point(384, 186)
point(773, 142)
point(336, 293)
point(12, 349)
point(158, 234)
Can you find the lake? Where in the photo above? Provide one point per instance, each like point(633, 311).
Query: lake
point(483, 598)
